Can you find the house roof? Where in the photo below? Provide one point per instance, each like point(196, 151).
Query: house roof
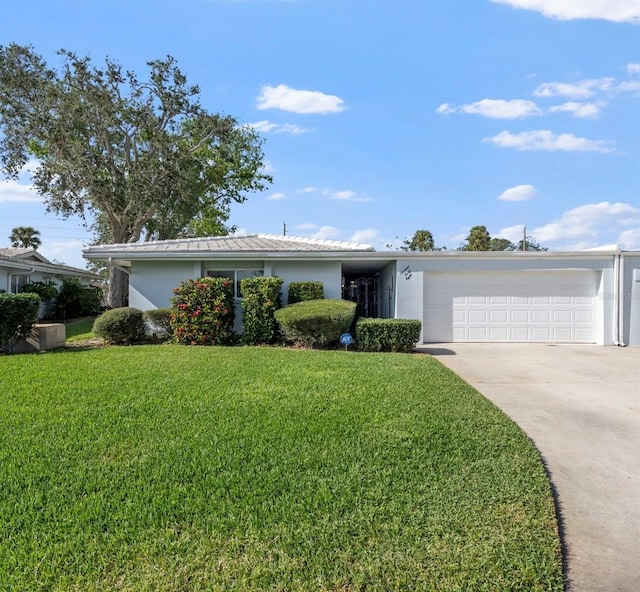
point(30, 260)
point(221, 245)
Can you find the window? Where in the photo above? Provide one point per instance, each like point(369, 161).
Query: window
point(236, 275)
point(18, 282)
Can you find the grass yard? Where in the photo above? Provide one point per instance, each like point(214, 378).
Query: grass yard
point(168, 468)
point(80, 330)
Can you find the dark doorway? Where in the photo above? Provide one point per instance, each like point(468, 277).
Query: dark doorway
point(363, 290)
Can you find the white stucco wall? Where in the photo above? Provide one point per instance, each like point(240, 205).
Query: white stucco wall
point(151, 283)
point(409, 294)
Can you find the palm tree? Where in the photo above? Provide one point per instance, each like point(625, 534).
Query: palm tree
point(25, 237)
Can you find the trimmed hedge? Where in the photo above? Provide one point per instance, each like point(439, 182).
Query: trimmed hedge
point(18, 314)
point(261, 297)
point(303, 291)
point(202, 312)
point(387, 335)
point(123, 325)
point(316, 323)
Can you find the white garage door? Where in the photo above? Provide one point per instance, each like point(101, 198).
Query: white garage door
point(535, 306)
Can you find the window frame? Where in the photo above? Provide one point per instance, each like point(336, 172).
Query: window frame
point(236, 275)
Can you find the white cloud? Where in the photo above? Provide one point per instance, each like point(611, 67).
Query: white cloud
point(518, 193)
point(276, 196)
point(547, 140)
point(581, 110)
point(588, 224)
point(326, 232)
point(267, 168)
point(307, 190)
point(618, 11)
point(633, 69)
point(582, 89)
point(368, 235)
point(298, 101)
point(13, 191)
point(68, 252)
point(494, 109)
point(345, 195)
point(264, 126)
point(512, 233)
point(630, 239)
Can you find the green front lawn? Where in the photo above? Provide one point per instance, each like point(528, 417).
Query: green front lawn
point(168, 468)
point(80, 330)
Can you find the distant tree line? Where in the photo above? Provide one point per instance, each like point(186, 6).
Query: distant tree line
point(478, 239)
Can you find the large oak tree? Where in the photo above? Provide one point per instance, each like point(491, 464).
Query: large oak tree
point(143, 158)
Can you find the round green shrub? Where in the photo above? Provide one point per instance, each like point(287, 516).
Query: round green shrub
point(121, 326)
point(301, 291)
point(316, 323)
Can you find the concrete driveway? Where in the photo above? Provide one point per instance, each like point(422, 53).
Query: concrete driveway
point(580, 406)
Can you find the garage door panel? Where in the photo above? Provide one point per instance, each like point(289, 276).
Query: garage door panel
point(544, 306)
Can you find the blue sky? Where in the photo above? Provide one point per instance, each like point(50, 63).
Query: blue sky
point(383, 117)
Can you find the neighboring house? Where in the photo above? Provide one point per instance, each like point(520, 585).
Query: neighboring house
point(547, 297)
point(19, 267)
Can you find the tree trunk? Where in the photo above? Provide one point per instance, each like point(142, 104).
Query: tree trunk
point(118, 288)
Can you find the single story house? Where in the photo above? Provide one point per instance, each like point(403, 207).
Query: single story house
point(546, 297)
point(20, 266)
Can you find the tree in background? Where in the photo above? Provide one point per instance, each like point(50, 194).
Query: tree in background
point(479, 239)
point(25, 237)
point(142, 157)
point(529, 244)
point(501, 244)
point(422, 240)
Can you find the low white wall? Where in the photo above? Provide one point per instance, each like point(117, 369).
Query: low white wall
point(327, 272)
point(151, 283)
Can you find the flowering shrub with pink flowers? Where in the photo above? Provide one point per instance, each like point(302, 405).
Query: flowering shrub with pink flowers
point(202, 312)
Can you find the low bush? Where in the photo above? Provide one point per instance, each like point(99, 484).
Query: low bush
point(18, 314)
point(302, 291)
point(202, 312)
point(160, 320)
point(316, 323)
point(387, 335)
point(121, 326)
point(260, 299)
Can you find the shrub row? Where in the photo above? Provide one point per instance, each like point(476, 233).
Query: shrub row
point(18, 314)
point(387, 335)
point(202, 313)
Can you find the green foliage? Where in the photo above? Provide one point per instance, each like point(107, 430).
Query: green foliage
point(143, 156)
point(202, 312)
point(301, 291)
point(261, 297)
point(479, 239)
point(123, 325)
point(316, 323)
point(160, 318)
point(18, 314)
point(422, 240)
point(387, 335)
point(501, 244)
point(44, 290)
point(75, 300)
